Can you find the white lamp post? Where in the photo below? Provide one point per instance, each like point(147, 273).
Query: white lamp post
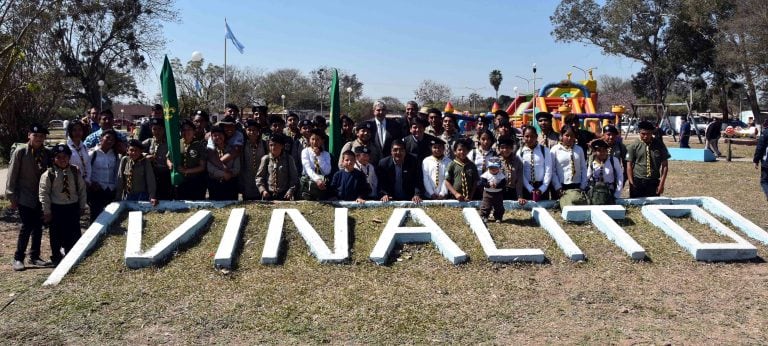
point(197, 57)
point(349, 101)
point(517, 93)
point(283, 98)
point(101, 84)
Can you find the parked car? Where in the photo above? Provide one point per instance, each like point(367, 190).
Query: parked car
point(56, 124)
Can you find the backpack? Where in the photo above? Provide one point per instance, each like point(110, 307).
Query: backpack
point(75, 173)
point(600, 192)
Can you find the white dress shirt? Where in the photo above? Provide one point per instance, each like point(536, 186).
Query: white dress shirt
point(430, 167)
point(542, 166)
point(564, 174)
point(308, 163)
point(381, 131)
point(80, 159)
point(605, 172)
point(480, 158)
point(104, 168)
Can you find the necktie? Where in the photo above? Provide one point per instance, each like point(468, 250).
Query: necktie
point(647, 161)
point(381, 133)
point(65, 185)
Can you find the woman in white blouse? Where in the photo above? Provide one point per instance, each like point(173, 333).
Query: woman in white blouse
point(568, 162)
point(75, 134)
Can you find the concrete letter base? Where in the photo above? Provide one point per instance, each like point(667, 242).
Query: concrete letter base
point(86, 243)
point(187, 231)
point(494, 254)
point(229, 240)
point(557, 233)
point(602, 217)
point(316, 245)
point(659, 215)
point(394, 233)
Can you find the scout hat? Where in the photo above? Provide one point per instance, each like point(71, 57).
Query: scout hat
point(61, 148)
point(37, 128)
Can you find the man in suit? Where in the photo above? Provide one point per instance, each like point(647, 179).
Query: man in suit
point(386, 130)
point(399, 175)
point(418, 143)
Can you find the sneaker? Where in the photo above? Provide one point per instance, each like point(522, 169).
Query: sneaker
point(498, 220)
point(39, 262)
point(18, 265)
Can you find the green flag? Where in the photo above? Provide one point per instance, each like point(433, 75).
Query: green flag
point(334, 137)
point(171, 112)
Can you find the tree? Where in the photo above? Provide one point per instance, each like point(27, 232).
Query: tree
point(635, 29)
point(431, 93)
point(495, 79)
point(393, 104)
point(289, 82)
point(98, 40)
point(614, 91)
point(320, 80)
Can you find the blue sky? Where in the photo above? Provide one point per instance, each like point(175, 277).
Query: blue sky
point(391, 45)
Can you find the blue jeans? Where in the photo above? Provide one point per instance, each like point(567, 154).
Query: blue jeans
point(764, 180)
point(137, 196)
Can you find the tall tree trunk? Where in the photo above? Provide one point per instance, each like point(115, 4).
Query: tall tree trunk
point(751, 94)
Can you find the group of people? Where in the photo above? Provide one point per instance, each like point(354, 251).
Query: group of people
point(420, 156)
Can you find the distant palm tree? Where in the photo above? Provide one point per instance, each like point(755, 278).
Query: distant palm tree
point(495, 78)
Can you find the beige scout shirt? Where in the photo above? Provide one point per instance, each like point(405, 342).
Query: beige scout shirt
point(52, 189)
point(24, 172)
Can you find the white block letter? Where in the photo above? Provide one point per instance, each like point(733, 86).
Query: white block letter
point(316, 245)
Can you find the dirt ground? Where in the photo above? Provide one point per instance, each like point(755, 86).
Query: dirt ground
point(419, 297)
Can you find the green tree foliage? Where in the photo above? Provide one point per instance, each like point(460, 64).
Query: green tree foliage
point(495, 79)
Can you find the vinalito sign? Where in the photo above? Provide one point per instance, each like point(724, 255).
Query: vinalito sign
point(658, 210)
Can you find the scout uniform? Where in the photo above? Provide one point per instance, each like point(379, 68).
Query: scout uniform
point(646, 161)
point(551, 138)
point(277, 175)
point(24, 171)
point(369, 170)
point(606, 179)
point(537, 169)
point(193, 186)
point(462, 176)
point(220, 189)
point(252, 154)
point(136, 179)
point(62, 194)
point(433, 173)
point(158, 148)
point(512, 168)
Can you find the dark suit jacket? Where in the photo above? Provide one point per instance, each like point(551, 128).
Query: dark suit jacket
point(394, 131)
point(420, 149)
point(385, 171)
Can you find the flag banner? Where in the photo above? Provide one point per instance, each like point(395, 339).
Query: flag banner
point(334, 137)
point(171, 115)
point(240, 47)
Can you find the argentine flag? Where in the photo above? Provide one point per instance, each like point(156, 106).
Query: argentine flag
point(232, 37)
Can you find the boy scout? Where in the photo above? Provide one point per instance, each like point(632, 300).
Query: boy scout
point(28, 162)
point(277, 177)
point(63, 198)
point(647, 164)
point(193, 164)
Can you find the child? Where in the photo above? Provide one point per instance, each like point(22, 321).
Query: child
point(482, 153)
point(493, 182)
point(433, 171)
point(363, 138)
point(512, 168)
point(135, 176)
point(362, 154)
point(317, 168)
point(104, 164)
point(349, 184)
point(277, 177)
point(63, 197)
point(27, 164)
point(647, 164)
point(569, 168)
point(156, 148)
point(222, 176)
point(606, 178)
point(461, 175)
point(537, 165)
point(193, 164)
point(253, 150)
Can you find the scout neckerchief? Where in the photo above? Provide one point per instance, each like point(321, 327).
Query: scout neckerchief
point(65, 185)
point(647, 160)
point(508, 168)
point(437, 174)
point(184, 147)
point(600, 168)
point(533, 172)
point(273, 177)
point(129, 174)
point(153, 150)
point(318, 171)
point(254, 149)
point(38, 155)
point(572, 163)
point(464, 184)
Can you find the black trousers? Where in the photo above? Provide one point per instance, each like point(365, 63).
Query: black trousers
point(193, 188)
point(163, 187)
point(222, 190)
point(31, 227)
point(64, 229)
point(98, 199)
point(643, 188)
point(492, 201)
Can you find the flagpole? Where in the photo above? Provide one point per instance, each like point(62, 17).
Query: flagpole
point(225, 65)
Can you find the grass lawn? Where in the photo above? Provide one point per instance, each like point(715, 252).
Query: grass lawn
point(419, 297)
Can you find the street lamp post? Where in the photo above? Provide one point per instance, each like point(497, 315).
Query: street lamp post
point(349, 101)
point(534, 88)
point(197, 58)
point(283, 98)
point(517, 92)
point(101, 84)
point(584, 70)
